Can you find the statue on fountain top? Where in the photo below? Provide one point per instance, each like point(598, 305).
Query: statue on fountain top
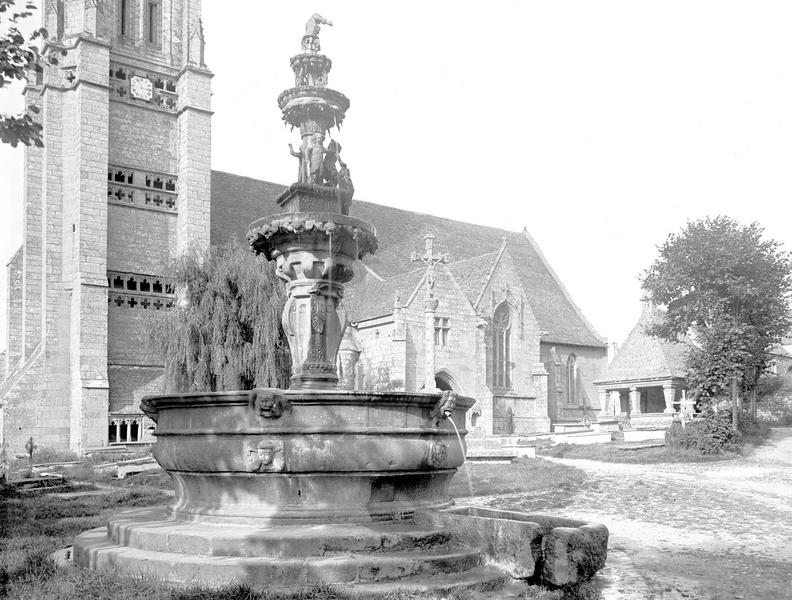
point(310, 41)
point(312, 26)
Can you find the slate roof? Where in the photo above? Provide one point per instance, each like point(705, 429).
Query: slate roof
point(473, 274)
point(237, 201)
point(371, 298)
point(645, 357)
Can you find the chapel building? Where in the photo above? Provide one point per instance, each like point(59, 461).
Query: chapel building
point(124, 184)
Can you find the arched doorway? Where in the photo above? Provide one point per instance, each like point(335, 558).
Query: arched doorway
point(444, 381)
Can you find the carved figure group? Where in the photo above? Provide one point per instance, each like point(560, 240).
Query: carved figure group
point(317, 164)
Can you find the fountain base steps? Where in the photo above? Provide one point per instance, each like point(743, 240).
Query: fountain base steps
point(455, 548)
point(146, 541)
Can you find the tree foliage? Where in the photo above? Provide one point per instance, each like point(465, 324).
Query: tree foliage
point(729, 288)
point(224, 333)
point(19, 56)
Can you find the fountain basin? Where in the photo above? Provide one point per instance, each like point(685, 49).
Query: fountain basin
point(269, 456)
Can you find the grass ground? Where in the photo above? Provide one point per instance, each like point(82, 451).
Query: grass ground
point(612, 453)
point(31, 528)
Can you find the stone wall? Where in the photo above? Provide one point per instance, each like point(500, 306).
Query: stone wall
point(591, 363)
point(14, 314)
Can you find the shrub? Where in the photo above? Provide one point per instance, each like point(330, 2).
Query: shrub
point(711, 434)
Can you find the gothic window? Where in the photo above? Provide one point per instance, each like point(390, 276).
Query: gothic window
point(501, 355)
point(572, 377)
point(441, 329)
point(154, 23)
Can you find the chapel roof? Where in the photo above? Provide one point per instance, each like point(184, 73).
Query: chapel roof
point(371, 297)
point(472, 274)
point(237, 201)
point(646, 357)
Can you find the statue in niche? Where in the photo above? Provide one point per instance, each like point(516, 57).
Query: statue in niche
point(313, 25)
point(267, 456)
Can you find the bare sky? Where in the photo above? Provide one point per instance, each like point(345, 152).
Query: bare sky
point(600, 126)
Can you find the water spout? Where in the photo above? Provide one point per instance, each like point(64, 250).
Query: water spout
point(447, 414)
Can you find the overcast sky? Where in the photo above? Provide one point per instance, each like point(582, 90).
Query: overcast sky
point(600, 126)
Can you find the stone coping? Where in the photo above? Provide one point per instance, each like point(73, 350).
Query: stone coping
point(299, 397)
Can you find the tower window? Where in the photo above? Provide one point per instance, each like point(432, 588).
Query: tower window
point(501, 332)
point(123, 18)
point(441, 329)
point(572, 376)
point(153, 23)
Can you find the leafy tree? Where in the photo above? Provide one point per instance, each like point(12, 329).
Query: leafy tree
point(19, 55)
point(224, 333)
point(729, 288)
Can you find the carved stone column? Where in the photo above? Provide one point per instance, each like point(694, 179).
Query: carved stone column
point(635, 401)
point(669, 394)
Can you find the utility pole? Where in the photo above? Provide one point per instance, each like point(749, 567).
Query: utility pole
point(431, 260)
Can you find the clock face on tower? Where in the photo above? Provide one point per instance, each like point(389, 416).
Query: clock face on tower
point(141, 88)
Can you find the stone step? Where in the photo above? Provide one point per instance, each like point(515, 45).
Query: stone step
point(95, 550)
point(152, 530)
point(486, 583)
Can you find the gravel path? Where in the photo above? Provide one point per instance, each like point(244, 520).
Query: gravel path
point(716, 531)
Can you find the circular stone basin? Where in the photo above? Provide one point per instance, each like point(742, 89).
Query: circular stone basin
point(297, 456)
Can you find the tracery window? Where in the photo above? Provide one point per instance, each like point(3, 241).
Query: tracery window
point(572, 377)
point(501, 350)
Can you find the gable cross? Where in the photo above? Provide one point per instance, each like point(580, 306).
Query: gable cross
point(430, 260)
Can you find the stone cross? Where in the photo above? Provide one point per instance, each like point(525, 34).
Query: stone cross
point(430, 260)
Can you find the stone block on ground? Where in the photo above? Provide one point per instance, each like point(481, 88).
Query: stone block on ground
point(573, 554)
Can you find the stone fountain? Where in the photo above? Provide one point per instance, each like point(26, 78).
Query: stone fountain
point(288, 488)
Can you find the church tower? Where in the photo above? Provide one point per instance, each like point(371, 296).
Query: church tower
point(121, 186)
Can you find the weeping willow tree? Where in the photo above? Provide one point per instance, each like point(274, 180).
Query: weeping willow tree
point(224, 332)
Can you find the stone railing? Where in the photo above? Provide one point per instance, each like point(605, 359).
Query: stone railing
point(141, 189)
point(133, 290)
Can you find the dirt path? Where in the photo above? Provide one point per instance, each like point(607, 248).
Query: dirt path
point(717, 531)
